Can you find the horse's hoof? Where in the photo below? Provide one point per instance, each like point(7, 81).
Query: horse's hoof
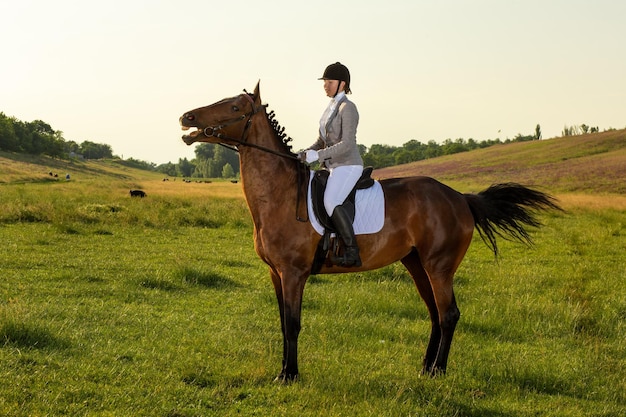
point(433, 372)
point(285, 379)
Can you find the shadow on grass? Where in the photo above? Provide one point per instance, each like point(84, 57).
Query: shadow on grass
point(206, 279)
point(24, 336)
point(159, 284)
point(544, 383)
point(538, 382)
point(500, 332)
point(236, 264)
point(201, 379)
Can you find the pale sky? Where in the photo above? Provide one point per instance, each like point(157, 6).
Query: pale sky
point(122, 72)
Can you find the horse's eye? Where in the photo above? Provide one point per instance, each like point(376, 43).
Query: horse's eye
point(235, 108)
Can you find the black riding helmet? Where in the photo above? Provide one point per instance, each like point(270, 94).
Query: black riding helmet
point(337, 71)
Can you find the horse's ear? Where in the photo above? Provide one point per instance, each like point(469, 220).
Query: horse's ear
point(257, 92)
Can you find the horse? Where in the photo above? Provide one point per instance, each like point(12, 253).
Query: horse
point(428, 226)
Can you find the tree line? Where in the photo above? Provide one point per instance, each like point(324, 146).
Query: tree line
point(38, 138)
point(211, 161)
point(214, 161)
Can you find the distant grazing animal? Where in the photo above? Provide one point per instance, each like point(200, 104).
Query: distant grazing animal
point(428, 226)
point(137, 193)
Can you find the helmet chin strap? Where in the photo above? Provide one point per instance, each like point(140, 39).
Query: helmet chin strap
point(338, 87)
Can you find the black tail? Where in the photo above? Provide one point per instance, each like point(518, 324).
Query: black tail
point(504, 210)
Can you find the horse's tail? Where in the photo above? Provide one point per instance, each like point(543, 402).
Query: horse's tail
point(504, 210)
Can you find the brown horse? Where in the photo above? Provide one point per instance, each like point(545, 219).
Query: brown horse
point(428, 226)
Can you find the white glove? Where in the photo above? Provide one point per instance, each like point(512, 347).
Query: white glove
point(311, 156)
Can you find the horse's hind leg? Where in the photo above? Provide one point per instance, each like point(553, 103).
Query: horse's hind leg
point(415, 268)
point(444, 314)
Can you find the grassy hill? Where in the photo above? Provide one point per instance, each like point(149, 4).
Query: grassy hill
point(22, 168)
point(589, 164)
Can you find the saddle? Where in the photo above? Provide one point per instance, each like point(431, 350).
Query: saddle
point(318, 186)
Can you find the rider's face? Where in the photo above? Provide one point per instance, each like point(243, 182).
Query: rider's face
point(330, 86)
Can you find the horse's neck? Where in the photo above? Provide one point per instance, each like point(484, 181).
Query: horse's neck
point(269, 180)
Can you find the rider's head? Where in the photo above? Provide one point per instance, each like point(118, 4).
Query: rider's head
point(339, 73)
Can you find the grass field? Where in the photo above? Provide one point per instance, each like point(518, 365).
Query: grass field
point(112, 306)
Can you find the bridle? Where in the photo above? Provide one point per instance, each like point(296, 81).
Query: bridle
point(215, 131)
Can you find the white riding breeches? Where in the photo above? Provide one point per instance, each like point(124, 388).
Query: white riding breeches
point(340, 183)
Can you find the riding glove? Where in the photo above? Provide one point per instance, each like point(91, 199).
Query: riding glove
point(311, 156)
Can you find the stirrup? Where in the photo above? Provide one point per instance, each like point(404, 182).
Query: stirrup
point(350, 257)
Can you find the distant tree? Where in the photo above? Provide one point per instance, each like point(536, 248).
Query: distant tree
point(231, 157)
point(522, 138)
point(184, 168)
point(415, 150)
point(228, 171)
point(472, 144)
point(71, 146)
point(571, 130)
point(167, 169)
point(538, 132)
point(205, 150)
point(203, 168)
point(211, 159)
point(432, 150)
point(40, 134)
point(137, 163)
point(56, 145)
point(92, 150)
point(451, 147)
point(9, 141)
point(380, 156)
point(402, 156)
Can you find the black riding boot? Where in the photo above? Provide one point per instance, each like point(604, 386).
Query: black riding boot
point(344, 228)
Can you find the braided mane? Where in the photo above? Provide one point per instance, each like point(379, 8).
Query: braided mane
point(279, 131)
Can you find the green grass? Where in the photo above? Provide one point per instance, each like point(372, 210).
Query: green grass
point(112, 306)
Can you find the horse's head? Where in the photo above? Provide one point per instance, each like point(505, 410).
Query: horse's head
point(223, 122)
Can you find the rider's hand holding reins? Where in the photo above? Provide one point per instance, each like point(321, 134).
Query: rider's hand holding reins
point(309, 156)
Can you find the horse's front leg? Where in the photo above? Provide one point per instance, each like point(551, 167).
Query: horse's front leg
point(278, 288)
point(289, 288)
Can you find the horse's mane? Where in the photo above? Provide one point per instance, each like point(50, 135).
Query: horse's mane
point(279, 131)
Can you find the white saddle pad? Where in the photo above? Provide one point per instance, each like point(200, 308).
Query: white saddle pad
point(370, 210)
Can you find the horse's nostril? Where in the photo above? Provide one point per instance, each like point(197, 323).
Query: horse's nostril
point(190, 117)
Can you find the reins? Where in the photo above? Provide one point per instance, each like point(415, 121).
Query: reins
point(213, 131)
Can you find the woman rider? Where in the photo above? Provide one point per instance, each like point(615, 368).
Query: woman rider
point(336, 148)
